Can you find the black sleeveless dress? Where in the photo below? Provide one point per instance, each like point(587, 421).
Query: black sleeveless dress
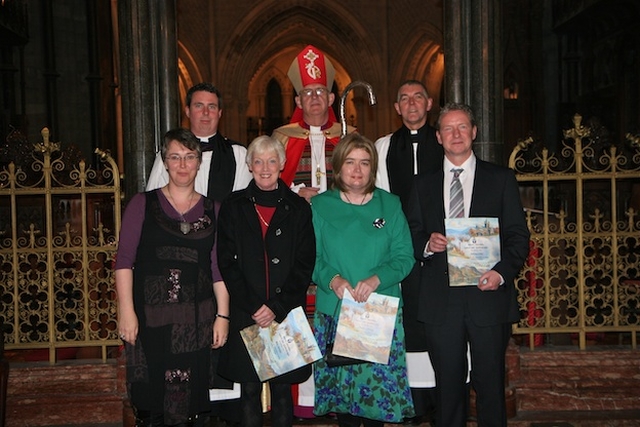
point(169, 368)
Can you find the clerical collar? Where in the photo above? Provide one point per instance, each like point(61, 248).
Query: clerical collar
point(206, 138)
point(413, 131)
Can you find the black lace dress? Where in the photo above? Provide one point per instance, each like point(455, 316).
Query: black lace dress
point(169, 368)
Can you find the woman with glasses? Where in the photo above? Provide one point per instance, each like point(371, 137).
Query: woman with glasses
point(173, 307)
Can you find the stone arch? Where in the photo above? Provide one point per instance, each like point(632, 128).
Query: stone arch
point(271, 36)
point(257, 98)
point(422, 58)
point(258, 85)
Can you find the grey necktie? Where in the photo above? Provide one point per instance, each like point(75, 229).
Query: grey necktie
point(456, 199)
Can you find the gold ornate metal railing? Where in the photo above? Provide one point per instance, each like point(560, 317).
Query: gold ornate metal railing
point(59, 222)
point(582, 277)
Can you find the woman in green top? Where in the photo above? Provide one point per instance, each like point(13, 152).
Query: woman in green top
point(363, 245)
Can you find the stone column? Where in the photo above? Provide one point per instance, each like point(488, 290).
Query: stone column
point(473, 68)
point(50, 72)
point(473, 75)
point(94, 78)
point(149, 82)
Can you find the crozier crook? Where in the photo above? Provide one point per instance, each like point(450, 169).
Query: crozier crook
point(343, 99)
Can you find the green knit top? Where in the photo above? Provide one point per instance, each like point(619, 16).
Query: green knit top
point(358, 241)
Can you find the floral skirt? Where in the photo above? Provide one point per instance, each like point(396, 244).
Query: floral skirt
point(368, 390)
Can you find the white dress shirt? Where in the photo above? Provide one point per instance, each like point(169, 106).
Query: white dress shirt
point(467, 177)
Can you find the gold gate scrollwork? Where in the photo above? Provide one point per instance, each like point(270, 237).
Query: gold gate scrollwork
point(582, 276)
point(59, 222)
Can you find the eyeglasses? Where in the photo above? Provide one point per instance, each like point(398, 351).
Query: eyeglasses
point(189, 158)
point(319, 91)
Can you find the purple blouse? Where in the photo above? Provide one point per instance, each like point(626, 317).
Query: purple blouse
point(131, 229)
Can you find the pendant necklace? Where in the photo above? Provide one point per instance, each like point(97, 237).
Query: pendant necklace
point(185, 227)
point(262, 220)
point(349, 200)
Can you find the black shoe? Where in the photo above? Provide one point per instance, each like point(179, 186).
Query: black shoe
point(149, 419)
point(413, 421)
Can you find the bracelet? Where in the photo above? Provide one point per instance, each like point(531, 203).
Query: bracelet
point(223, 316)
point(332, 279)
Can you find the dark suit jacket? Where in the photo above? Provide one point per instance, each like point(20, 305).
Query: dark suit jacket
point(495, 194)
point(289, 249)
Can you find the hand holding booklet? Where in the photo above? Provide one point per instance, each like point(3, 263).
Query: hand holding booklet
point(473, 248)
point(281, 347)
point(365, 330)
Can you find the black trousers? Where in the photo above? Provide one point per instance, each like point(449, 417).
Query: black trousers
point(447, 344)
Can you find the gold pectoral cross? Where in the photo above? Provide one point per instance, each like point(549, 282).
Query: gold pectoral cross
point(318, 175)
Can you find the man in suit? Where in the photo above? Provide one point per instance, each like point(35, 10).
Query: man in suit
point(479, 315)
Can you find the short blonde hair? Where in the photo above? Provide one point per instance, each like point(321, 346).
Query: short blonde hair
point(264, 144)
point(455, 106)
point(343, 149)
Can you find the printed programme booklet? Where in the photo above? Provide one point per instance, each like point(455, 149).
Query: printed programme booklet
point(473, 248)
point(281, 347)
point(365, 330)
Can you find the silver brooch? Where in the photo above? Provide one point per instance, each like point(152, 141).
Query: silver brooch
point(379, 222)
